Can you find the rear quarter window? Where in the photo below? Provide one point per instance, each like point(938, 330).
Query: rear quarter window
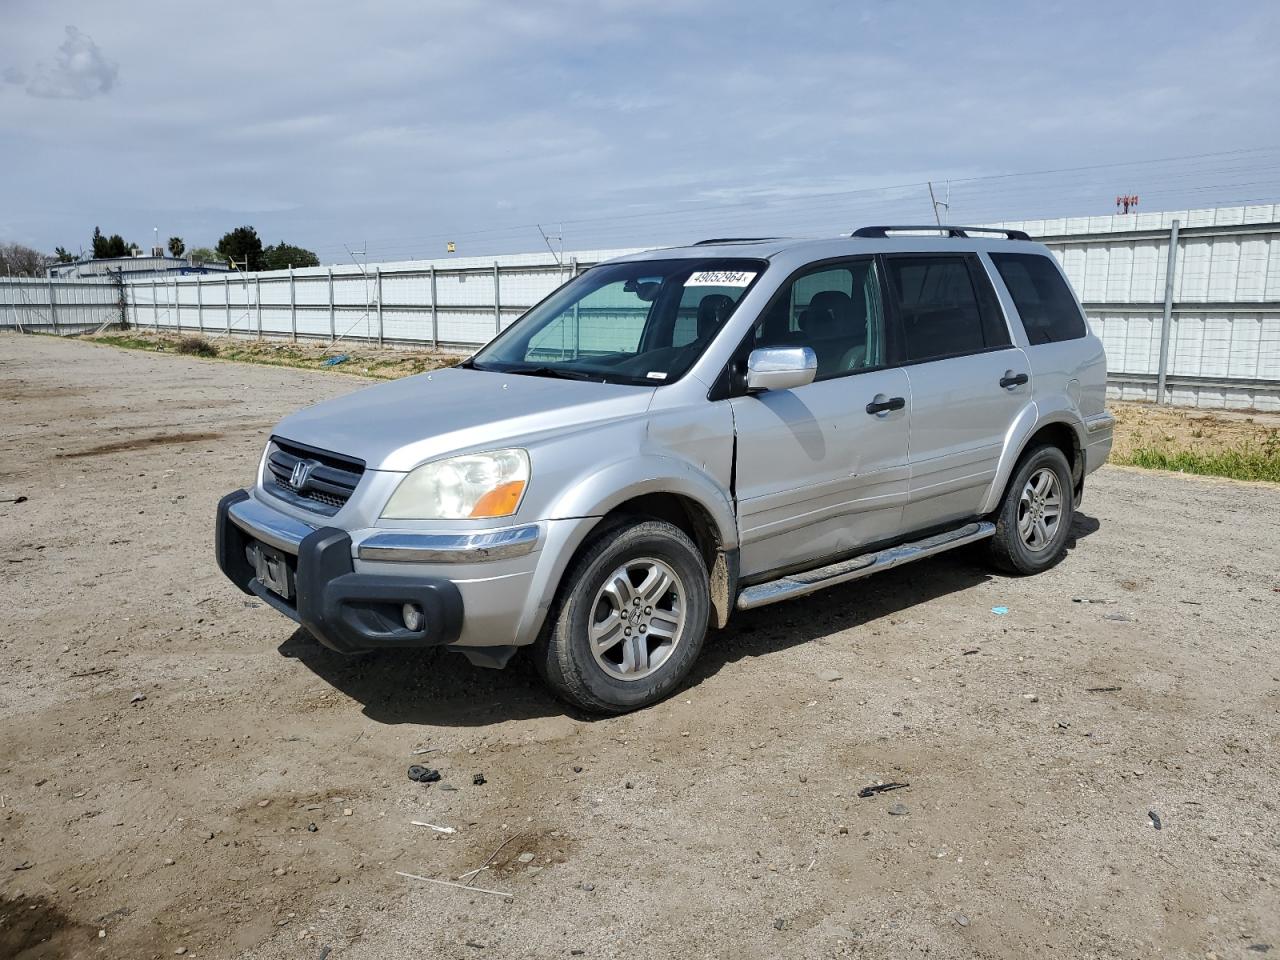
point(1048, 310)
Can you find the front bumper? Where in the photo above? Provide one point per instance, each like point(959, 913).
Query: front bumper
point(477, 589)
point(347, 611)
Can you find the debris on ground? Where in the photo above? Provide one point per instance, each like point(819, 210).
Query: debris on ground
point(970, 651)
point(1102, 689)
point(423, 774)
point(875, 788)
point(460, 886)
point(14, 500)
point(1089, 600)
point(334, 361)
point(999, 611)
point(137, 698)
point(1119, 618)
point(478, 780)
point(898, 810)
point(1155, 819)
point(437, 829)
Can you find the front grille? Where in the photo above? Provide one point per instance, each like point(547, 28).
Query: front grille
point(327, 479)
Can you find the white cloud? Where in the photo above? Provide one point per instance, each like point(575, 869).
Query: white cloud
point(79, 71)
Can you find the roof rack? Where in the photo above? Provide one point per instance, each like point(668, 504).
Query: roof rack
point(715, 240)
point(953, 232)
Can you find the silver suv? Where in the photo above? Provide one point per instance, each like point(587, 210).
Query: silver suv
point(678, 434)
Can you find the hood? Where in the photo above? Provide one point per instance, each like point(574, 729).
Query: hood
point(400, 424)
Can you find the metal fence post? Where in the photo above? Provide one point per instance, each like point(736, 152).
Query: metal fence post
point(333, 328)
point(226, 299)
point(497, 299)
point(257, 296)
point(1166, 326)
point(435, 317)
point(199, 305)
point(53, 306)
point(377, 276)
point(293, 308)
point(155, 305)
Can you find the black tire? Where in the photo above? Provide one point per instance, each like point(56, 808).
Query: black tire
point(1010, 551)
point(563, 653)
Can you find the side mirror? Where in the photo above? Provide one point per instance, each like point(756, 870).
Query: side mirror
point(781, 368)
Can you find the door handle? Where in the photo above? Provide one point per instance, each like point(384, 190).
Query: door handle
point(881, 406)
point(1013, 380)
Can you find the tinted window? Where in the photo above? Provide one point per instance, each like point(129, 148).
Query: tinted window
point(938, 308)
point(1044, 301)
point(836, 310)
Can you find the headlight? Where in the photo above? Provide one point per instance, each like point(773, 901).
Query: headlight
point(476, 485)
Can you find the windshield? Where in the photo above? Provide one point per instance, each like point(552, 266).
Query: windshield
point(639, 322)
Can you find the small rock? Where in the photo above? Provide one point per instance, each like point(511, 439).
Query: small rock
point(962, 920)
point(102, 934)
point(1030, 698)
point(828, 676)
point(525, 857)
point(577, 769)
point(138, 698)
point(179, 951)
point(898, 810)
point(629, 785)
point(588, 887)
point(842, 830)
point(169, 861)
point(346, 812)
point(208, 834)
point(423, 774)
point(264, 803)
point(278, 871)
point(335, 878)
point(779, 923)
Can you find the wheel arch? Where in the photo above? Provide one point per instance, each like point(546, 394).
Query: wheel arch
point(1060, 430)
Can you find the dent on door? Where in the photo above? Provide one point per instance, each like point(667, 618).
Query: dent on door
point(817, 473)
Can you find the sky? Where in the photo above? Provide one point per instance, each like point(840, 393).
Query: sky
point(379, 130)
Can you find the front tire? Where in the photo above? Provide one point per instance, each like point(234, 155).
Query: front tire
point(1034, 519)
point(629, 621)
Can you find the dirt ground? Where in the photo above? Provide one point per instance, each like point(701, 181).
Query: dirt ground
point(182, 771)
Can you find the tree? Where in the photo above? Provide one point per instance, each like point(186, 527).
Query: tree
point(206, 255)
point(176, 246)
point(241, 245)
point(281, 256)
point(62, 255)
point(112, 246)
point(16, 260)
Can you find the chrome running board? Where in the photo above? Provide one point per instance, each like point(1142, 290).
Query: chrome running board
point(811, 581)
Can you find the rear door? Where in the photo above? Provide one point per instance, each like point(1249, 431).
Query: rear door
point(817, 474)
point(968, 382)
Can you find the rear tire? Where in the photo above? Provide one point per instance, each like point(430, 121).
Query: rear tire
point(1034, 518)
point(629, 620)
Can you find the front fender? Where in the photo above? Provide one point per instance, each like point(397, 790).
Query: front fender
point(598, 493)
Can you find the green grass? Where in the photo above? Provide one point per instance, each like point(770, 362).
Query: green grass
point(1245, 462)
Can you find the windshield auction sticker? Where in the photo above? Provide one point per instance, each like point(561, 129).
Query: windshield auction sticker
point(720, 278)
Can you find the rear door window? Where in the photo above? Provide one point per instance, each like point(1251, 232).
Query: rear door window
point(1048, 310)
point(940, 310)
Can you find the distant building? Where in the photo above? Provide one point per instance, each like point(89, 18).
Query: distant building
point(136, 267)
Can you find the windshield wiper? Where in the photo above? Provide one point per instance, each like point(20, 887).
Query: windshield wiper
point(558, 373)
